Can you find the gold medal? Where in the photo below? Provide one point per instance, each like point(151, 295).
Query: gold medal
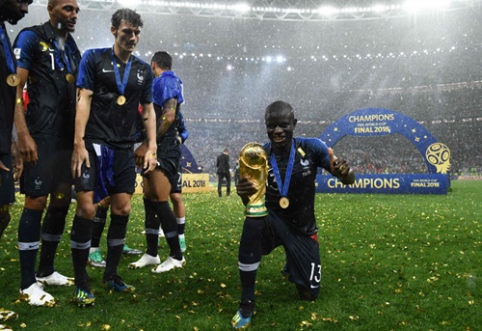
point(13, 80)
point(70, 78)
point(121, 100)
point(284, 202)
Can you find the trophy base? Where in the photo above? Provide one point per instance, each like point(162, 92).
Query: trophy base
point(255, 211)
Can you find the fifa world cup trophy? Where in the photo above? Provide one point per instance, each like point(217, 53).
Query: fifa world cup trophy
point(253, 164)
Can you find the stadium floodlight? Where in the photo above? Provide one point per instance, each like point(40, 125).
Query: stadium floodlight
point(414, 6)
point(379, 8)
point(129, 2)
point(241, 8)
point(327, 11)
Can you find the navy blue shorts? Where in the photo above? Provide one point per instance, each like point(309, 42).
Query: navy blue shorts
point(7, 185)
point(302, 252)
point(168, 160)
point(52, 170)
point(124, 173)
point(176, 183)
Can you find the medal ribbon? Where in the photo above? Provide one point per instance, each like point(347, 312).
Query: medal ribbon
point(8, 51)
point(121, 85)
point(61, 57)
point(284, 186)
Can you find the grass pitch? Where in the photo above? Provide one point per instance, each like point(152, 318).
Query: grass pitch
point(390, 262)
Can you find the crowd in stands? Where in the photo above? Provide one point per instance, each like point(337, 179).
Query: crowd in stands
point(430, 72)
point(454, 117)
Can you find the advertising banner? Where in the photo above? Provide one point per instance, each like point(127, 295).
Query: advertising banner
point(386, 183)
point(373, 122)
point(191, 183)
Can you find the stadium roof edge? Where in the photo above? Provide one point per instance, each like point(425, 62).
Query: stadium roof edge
point(286, 10)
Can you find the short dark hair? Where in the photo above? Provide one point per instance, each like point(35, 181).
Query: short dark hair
point(127, 15)
point(278, 106)
point(163, 60)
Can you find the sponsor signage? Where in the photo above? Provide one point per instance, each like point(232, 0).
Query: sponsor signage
point(386, 183)
point(373, 122)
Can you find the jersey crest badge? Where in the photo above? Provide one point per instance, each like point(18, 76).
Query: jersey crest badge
point(140, 77)
point(45, 46)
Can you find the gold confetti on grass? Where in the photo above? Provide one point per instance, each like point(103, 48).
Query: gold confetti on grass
point(7, 315)
point(306, 323)
point(314, 317)
point(5, 327)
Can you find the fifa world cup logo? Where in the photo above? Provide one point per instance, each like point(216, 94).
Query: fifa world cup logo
point(253, 164)
point(438, 154)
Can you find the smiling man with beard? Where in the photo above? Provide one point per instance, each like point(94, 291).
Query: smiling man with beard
point(291, 222)
point(48, 58)
point(112, 83)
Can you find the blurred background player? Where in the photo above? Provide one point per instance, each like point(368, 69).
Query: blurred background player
point(167, 95)
point(179, 208)
point(176, 186)
point(222, 166)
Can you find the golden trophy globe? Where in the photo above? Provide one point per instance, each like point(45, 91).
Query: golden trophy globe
point(253, 164)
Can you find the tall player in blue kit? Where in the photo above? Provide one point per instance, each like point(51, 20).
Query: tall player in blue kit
point(48, 58)
point(112, 83)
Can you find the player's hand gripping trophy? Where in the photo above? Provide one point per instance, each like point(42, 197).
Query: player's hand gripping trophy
point(253, 164)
